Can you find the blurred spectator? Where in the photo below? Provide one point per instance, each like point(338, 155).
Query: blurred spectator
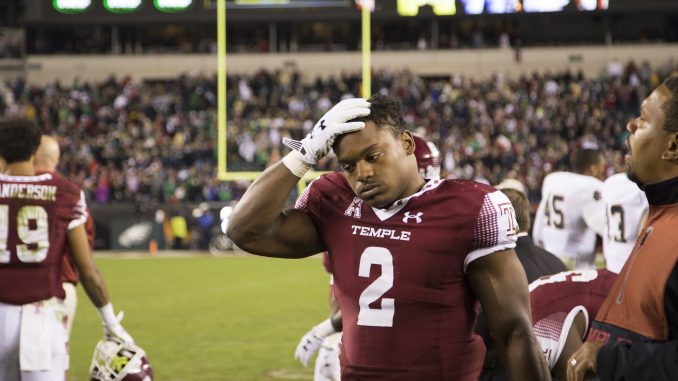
point(179, 231)
point(615, 68)
point(204, 222)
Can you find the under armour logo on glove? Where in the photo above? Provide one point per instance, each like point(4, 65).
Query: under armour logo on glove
point(335, 122)
point(416, 217)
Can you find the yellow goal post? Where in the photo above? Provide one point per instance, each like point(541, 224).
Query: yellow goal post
point(223, 173)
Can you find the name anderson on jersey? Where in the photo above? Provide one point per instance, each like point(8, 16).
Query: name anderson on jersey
point(29, 191)
point(367, 231)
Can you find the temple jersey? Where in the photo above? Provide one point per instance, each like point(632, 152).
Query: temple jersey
point(570, 215)
point(399, 275)
point(625, 206)
point(36, 213)
point(69, 273)
point(556, 299)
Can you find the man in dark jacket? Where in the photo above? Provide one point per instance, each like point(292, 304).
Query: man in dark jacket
point(635, 333)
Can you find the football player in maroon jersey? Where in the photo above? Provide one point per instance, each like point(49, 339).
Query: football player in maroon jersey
point(563, 306)
point(39, 216)
point(46, 160)
point(318, 338)
point(411, 258)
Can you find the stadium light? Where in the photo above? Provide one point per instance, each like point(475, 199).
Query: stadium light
point(71, 6)
point(172, 5)
point(122, 6)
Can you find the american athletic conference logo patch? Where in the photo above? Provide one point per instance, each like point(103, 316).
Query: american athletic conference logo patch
point(354, 209)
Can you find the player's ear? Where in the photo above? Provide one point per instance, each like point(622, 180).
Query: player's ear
point(671, 152)
point(407, 141)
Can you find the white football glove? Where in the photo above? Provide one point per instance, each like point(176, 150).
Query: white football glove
point(327, 367)
point(318, 142)
point(312, 340)
point(112, 327)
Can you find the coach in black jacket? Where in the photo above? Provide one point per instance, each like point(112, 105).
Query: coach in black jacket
point(635, 334)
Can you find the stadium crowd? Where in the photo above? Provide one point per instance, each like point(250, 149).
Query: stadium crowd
point(155, 141)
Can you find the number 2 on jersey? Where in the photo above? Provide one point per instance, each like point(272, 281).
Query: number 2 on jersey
point(376, 317)
point(33, 231)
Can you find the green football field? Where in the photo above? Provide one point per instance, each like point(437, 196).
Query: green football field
point(202, 318)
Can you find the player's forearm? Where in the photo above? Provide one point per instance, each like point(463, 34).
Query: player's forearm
point(95, 288)
point(523, 358)
point(90, 277)
point(256, 213)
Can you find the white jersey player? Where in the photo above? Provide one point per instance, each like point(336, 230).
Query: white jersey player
point(571, 212)
point(626, 208)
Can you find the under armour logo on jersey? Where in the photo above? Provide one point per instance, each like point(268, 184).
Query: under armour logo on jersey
point(354, 209)
point(417, 217)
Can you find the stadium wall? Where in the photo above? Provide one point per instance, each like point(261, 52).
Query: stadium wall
point(478, 63)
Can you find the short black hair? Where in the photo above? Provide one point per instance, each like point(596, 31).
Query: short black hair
point(19, 139)
point(521, 205)
point(584, 158)
point(385, 110)
point(671, 106)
